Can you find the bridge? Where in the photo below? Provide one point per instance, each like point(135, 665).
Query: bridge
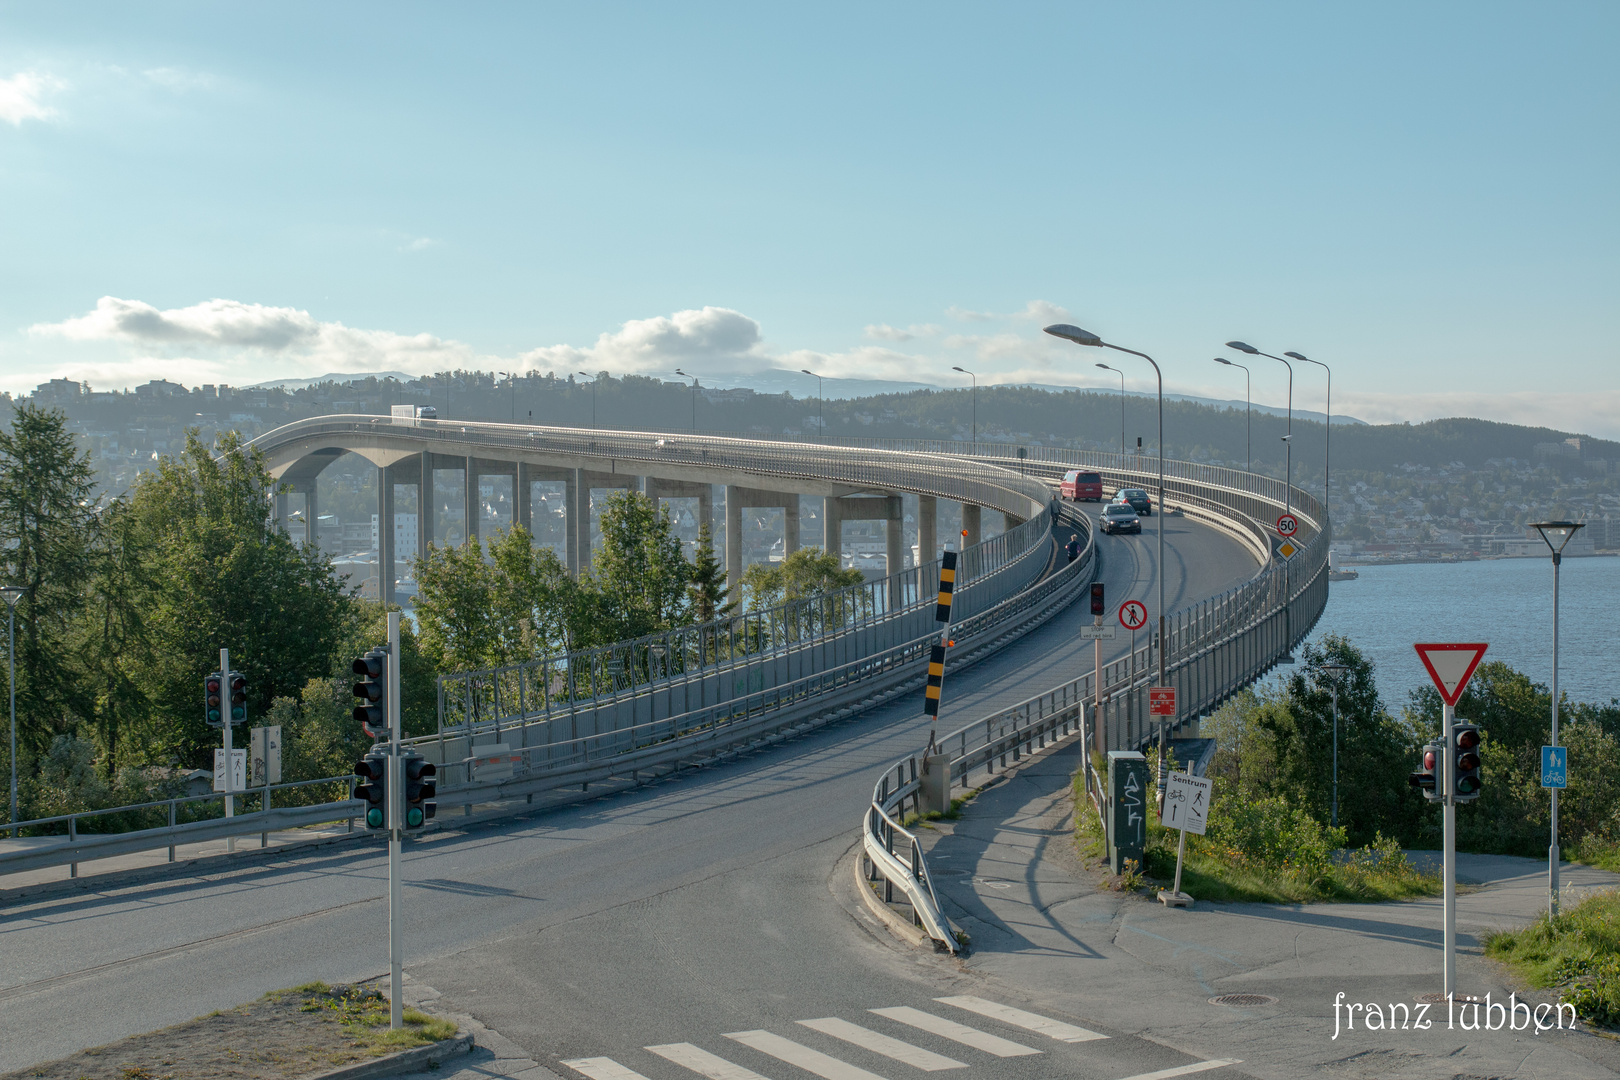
point(632, 896)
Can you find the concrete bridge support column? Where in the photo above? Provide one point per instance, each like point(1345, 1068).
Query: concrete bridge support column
point(385, 535)
point(281, 510)
point(832, 528)
point(426, 506)
point(470, 501)
point(657, 489)
point(580, 532)
point(927, 529)
point(970, 524)
point(576, 507)
point(739, 498)
point(885, 508)
point(523, 498)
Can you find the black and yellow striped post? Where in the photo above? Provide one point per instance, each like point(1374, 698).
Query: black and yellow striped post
point(936, 655)
point(947, 586)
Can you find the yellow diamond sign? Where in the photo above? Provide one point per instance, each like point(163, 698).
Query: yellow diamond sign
point(1287, 549)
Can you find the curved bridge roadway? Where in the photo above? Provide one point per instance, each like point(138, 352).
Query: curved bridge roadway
point(676, 913)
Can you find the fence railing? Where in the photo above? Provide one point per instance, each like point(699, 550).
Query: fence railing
point(1213, 649)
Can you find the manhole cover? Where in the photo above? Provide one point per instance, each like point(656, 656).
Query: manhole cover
point(1243, 1001)
point(994, 883)
point(1440, 999)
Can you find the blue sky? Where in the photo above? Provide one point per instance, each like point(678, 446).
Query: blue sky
point(1420, 195)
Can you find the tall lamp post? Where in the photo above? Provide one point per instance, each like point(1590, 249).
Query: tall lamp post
point(593, 398)
point(12, 594)
point(1085, 337)
point(821, 422)
point(1248, 405)
point(1334, 672)
point(1288, 496)
point(1556, 534)
point(1327, 453)
point(1121, 375)
point(975, 379)
point(689, 375)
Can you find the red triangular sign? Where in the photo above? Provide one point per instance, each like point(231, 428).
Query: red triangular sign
point(1451, 666)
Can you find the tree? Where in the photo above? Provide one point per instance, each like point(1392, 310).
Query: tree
point(112, 635)
point(807, 572)
point(709, 592)
point(638, 577)
point(225, 574)
point(46, 523)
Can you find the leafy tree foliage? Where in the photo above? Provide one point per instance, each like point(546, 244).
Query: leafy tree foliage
point(47, 528)
point(710, 594)
point(517, 604)
point(637, 584)
point(809, 571)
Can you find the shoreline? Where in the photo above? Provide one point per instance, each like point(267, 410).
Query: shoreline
point(1348, 561)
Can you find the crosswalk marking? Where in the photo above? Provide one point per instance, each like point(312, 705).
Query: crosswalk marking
point(823, 1065)
point(703, 1063)
point(1183, 1070)
point(950, 1029)
point(601, 1068)
point(878, 1043)
point(1029, 1021)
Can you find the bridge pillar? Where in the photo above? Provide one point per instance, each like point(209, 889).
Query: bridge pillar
point(888, 509)
point(684, 489)
point(312, 514)
point(970, 524)
point(426, 506)
point(832, 528)
point(927, 529)
point(281, 510)
point(739, 498)
point(385, 535)
point(472, 505)
point(580, 532)
point(523, 499)
point(575, 508)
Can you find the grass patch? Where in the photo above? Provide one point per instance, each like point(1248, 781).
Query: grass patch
point(952, 814)
point(364, 1017)
point(1603, 854)
point(1262, 852)
point(1577, 952)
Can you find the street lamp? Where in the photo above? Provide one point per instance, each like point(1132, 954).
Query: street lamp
point(1288, 497)
point(512, 375)
point(1334, 671)
point(1248, 403)
point(593, 397)
point(1327, 454)
point(1085, 337)
point(1556, 534)
point(821, 423)
point(975, 379)
point(689, 375)
point(1121, 375)
point(12, 594)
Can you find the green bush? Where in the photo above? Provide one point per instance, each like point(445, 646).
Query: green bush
point(1578, 950)
point(1270, 834)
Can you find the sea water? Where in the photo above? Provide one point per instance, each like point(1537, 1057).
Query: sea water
point(1507, 603)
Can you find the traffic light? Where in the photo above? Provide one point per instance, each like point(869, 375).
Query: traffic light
point(1097, 605)
point(1469, 780)
point(238, 683)
point(371, 785)
point(372, 689)
point(1427, 777)
point(213, 707)
point(420, 788)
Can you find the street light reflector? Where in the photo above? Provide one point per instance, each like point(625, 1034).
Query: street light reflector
point(1299, 356)
point(1561, 531)
point(1223, 360)
point(962, 370)
point(807, 371)
point(1243, 346)
point(1074, 334)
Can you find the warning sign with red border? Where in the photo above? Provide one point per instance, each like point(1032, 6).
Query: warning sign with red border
point(1451, 666)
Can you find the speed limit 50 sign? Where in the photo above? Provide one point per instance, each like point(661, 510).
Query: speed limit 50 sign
point(1287, 525)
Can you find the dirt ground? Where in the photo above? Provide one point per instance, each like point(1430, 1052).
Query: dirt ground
point(284, 1035)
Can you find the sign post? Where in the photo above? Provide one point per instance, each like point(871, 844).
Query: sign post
point(1450, 666)
point(1186, 807)
point(396, 833)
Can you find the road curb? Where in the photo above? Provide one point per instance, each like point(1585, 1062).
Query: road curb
point(900, 928)
point(406, 1061)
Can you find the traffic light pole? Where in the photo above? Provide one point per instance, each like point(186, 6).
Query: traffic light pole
point(1448, 790)
point(396, 828)
point(225, 717)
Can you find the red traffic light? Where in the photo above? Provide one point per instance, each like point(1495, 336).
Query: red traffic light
point(1467, 739)
point(369, 666)
point(1098, 607)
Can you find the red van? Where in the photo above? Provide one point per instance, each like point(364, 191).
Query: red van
point(1082, 486)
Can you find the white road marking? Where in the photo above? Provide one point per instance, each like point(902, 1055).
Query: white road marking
point(950, 1029)
point(703, 1063)
point(878, 1043)
point(601, 1068)
point(1183, 1070)
point(1029, 1021)
point(823, 1065)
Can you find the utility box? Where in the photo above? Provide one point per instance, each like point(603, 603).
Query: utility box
point(1127, 808)
point(936, 783)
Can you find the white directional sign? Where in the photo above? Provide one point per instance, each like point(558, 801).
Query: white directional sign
point(238, 769)
point(1097, 633)
point(1186, 803)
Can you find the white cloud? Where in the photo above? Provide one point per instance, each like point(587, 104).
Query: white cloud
point(179, 80)
point(421, 243)
point(21, 97)
point(885, 332)
point(965, 315)
point(723, 339)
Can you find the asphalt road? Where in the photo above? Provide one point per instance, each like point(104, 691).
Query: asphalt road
point(681, 912)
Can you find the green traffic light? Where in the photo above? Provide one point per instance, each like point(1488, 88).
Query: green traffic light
point(213, 716)
point(374, 818)
point(238, 713)
point(413, 818)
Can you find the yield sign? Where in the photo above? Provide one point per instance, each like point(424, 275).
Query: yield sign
point(1451, 666)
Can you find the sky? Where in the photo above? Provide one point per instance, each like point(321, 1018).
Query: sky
point(1421, 196)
